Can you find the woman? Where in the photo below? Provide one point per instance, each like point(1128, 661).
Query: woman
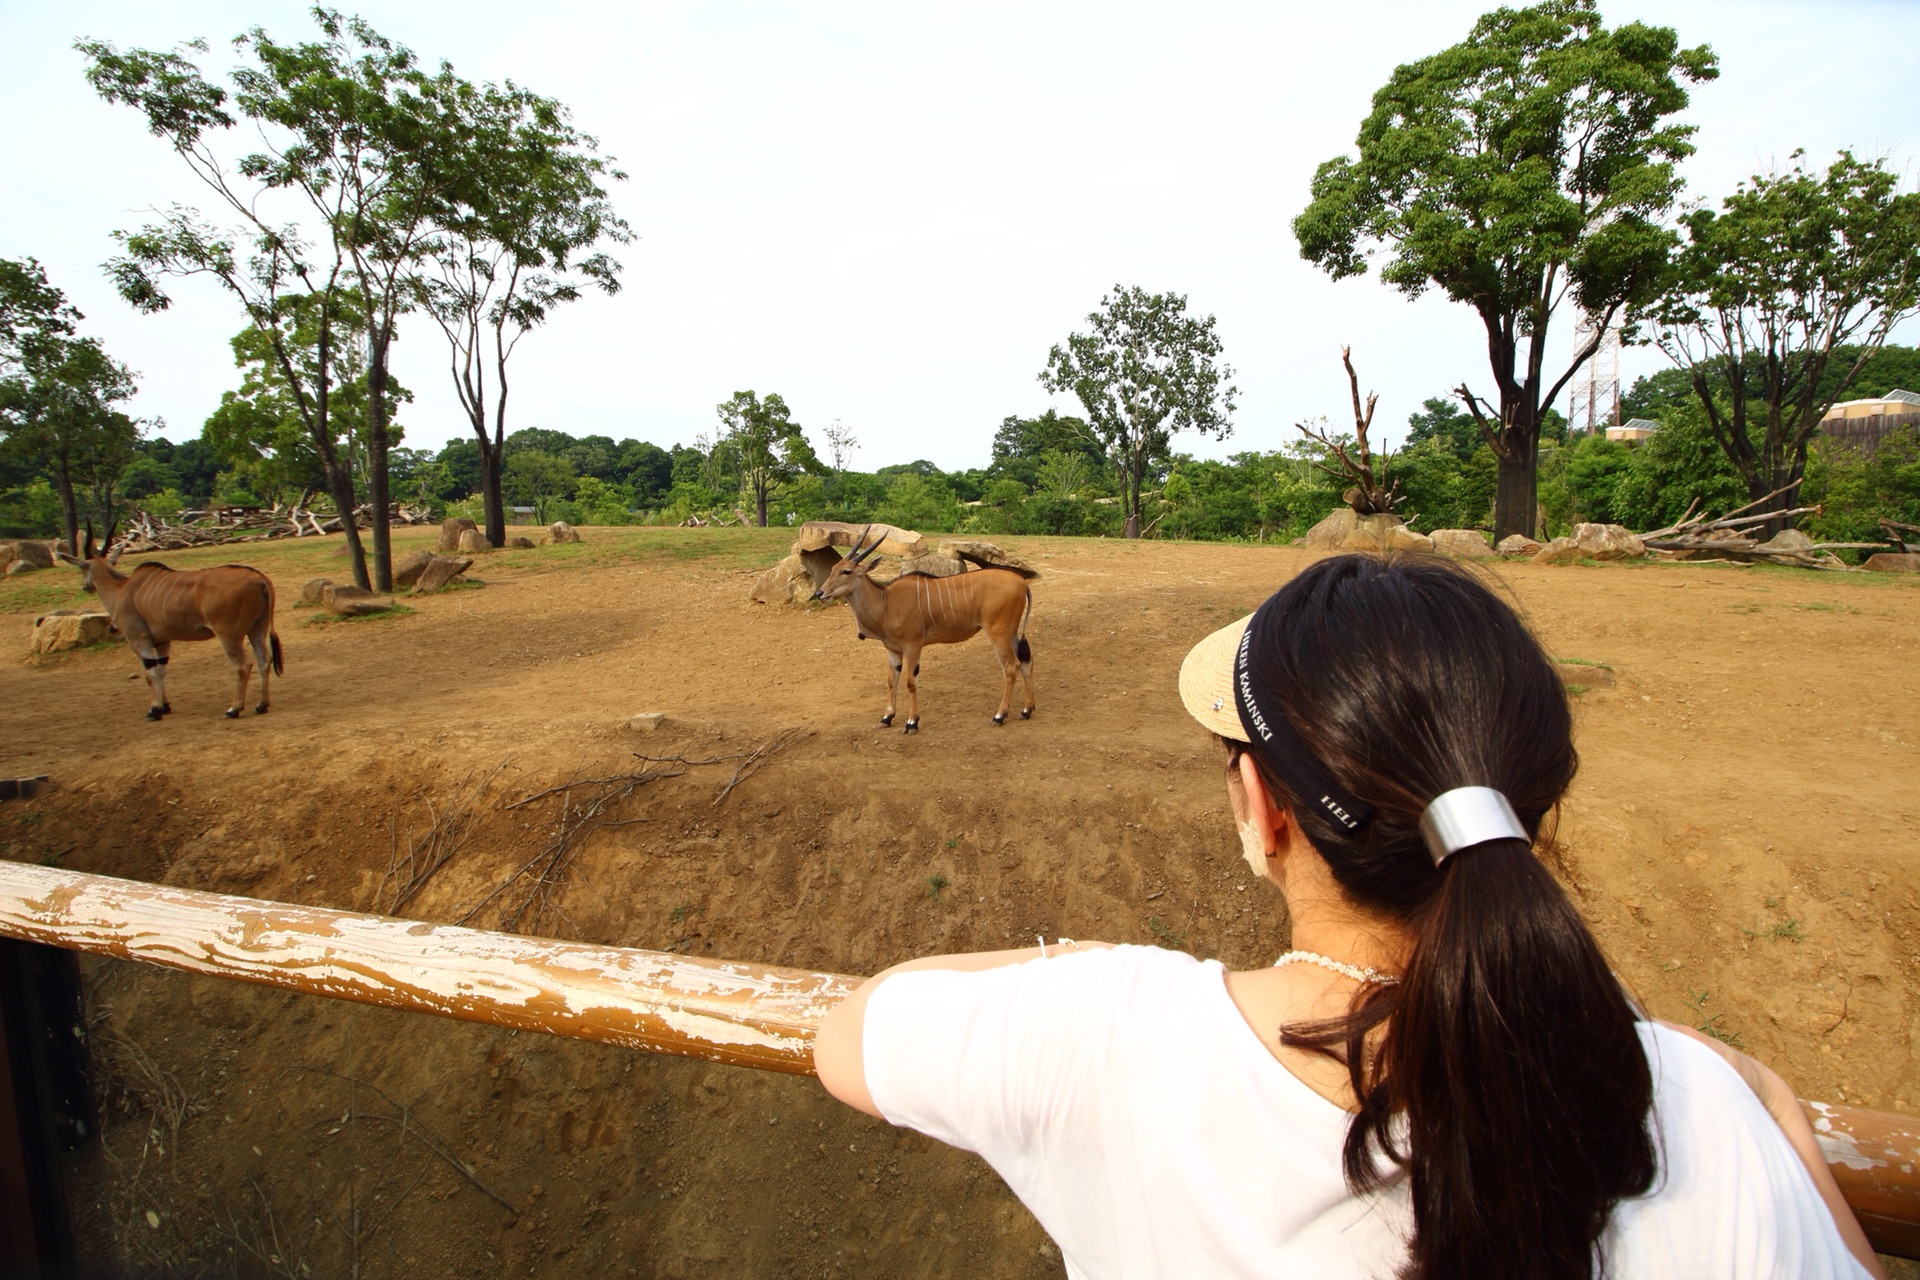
point(1442, 1079)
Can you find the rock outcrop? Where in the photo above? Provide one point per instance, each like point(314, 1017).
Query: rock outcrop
point(450, 530)
point(560, 531)
point(472, 542)
point(443, 570)
point(69, 629)
point(408, 568)
point(1463, 544)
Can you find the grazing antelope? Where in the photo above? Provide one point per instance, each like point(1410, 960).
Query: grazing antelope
point(916, 610)
point(153, 606)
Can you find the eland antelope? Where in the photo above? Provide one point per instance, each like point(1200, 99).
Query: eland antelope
point(916, 610)
point(153, 606)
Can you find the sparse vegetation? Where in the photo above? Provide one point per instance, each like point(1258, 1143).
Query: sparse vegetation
point(1710, 1022)
point(935, 883)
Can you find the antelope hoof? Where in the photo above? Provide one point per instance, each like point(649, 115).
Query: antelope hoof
point(233, 713)
point(913, 726)
point(154, 713)
point(260, 709)
point(999, 717)
point(166, 708)
point(1027, 714)
point(887, 720)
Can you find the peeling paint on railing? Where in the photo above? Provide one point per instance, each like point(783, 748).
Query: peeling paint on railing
point(748, 1015)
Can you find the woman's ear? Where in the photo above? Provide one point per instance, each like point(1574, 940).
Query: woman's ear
point(1266, 817)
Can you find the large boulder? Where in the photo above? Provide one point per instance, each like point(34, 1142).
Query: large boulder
point(1791, 541)
point(354, 602)
point(1331, 533)
point(472, 542)
point(1893, 562)
point(19, 567)
point(35, 555)
point(933, 563)
point(786, 583)
point(408, 568)
point(443, 570)
point(986, 555)
point(69, 629)
point(560, 531)
point(314, 592)
point(1384, 533)
point(816, 535)
point(1464, 544)
point(450, 530)
point(1559, 551)
point(1608, 542)
point(1517, 544)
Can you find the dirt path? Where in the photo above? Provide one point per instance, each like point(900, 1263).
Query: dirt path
point(1742, 836)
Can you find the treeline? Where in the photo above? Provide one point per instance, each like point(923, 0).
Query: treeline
point(1047, 475)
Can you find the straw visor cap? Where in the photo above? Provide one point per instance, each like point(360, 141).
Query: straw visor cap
point(1206, 681)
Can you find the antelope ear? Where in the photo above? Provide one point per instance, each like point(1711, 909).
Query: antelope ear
point(60, 554)
point(113, 556)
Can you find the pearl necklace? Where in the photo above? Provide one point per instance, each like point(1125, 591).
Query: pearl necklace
point(1354, 971)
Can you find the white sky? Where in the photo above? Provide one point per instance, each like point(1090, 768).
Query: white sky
point(888, 213)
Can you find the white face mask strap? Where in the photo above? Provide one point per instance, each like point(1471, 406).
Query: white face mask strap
point(1467, 816)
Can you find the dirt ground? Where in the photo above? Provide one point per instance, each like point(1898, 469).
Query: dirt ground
point(1742, 836)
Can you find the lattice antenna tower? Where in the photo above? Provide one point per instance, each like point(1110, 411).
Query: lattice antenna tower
point(1595, 401)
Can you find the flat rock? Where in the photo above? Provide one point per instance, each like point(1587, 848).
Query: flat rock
point(408, 568)
point(987, 555)
point(1608, 542)
point(69, 629)
point(443, 570)
point(314, 592)
point(450, 530)
point(354, 602)
point(1330, 533)
point(1466, 544)
point(472, 542)
point(1517, 544)
point(1585, 673)
point(933, 563)
point(560, 531)
point(1893, 562)
point(647, 721)
point(894, 541)
point(1559, 551)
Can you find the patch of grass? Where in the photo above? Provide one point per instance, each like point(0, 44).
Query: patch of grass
point(31, 818)
point(1822, 606)
point(683, 911)
point(935, 883)
point(1584, 662)
point(954, 843)
point(1170, 937)
point(1710, 1022)
point(1576, 689)
point(1789, 929)
point(1744, 607)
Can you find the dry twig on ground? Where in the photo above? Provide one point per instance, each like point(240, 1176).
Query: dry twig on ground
point(407, 874)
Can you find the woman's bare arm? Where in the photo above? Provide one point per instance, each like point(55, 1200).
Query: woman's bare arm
point(1779, 1100)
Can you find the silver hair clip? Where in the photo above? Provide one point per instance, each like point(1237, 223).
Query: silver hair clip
point(1466, 816)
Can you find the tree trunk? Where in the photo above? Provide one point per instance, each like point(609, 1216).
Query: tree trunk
point(70, 512)
point(1133, 494)
point(1516, 495)
point(760, 504)
point(340, 485)
point(490, 500)
point(377, 466)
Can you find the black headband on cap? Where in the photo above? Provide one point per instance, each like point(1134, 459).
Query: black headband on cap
point(1273, 736)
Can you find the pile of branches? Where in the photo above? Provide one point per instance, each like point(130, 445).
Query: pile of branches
point(1367, 493)
point(1735, 536)
point(147, 532)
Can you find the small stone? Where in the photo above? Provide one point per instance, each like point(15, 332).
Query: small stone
point(472, 541)
point(442, 571)
point(560, 531)
point(69, 629)
point(1517, 544)
point(1893, 562)
point(354, 602)
point(521, 542)
point(647, 721)
point(407, 569)
point(1465, 544)
point(314, 592)
point(450, 530)
point(1559, 551)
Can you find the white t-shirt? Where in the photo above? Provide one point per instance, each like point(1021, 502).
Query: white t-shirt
point(1126, 1101)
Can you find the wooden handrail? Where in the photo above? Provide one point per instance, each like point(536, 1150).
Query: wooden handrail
point(748, 1015)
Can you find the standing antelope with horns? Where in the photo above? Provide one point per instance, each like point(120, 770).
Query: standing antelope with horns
point(916, 610)
point(153, 606)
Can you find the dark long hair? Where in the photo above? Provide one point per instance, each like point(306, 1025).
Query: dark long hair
point(1508, 1051)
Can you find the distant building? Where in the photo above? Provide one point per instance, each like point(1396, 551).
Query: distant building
point(1865, 423)
point(1633, 430)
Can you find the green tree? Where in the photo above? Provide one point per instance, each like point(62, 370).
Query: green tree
point(538, 479)
point(1530, 163)
point(1855, 487)
point(768, 446)
point(1791, 269)
point(1146, 372)
point(520, 231)
point(1666, 473)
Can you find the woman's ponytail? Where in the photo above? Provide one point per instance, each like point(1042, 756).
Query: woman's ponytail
point(1509, 1085)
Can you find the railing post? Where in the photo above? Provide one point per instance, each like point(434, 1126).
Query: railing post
point(42, 1092)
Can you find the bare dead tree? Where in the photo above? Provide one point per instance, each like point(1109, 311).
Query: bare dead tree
point(1366, 493)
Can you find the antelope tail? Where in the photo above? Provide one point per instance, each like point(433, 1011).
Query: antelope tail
point(275, 638)
point(1023, 650)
